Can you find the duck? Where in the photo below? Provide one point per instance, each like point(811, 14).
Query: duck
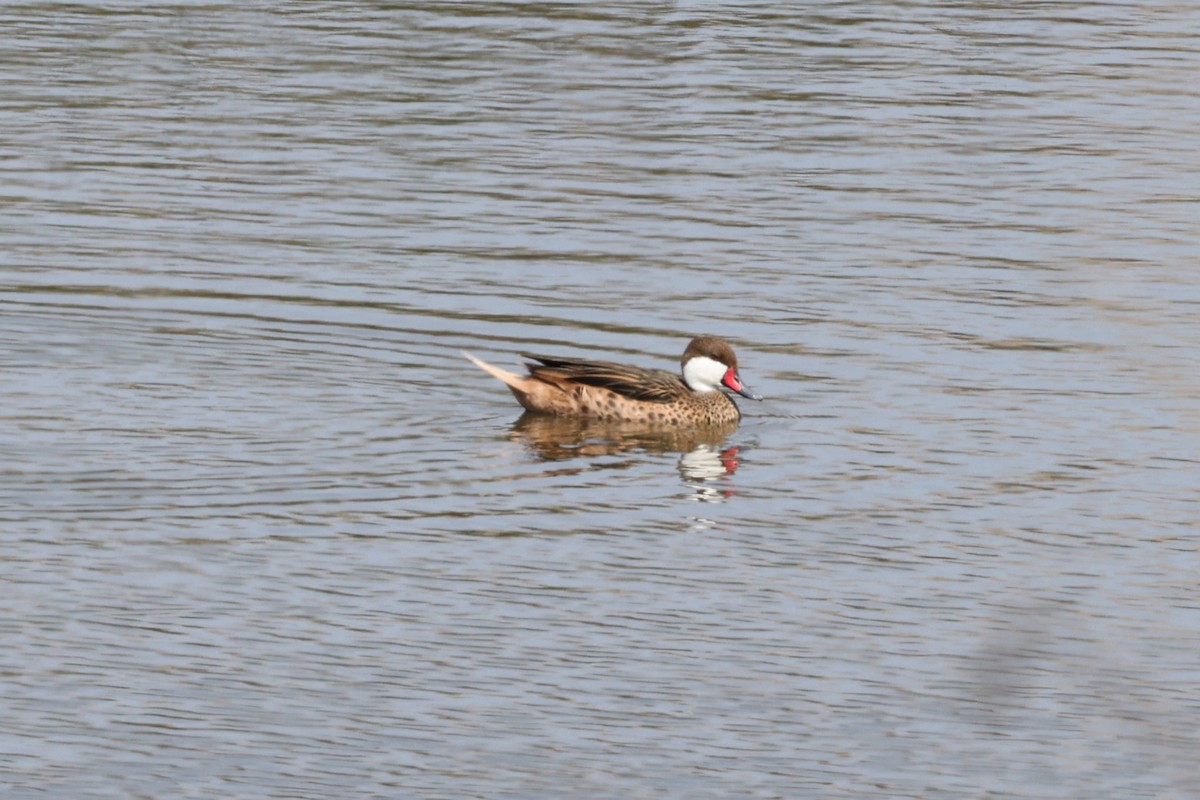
point(610, 392)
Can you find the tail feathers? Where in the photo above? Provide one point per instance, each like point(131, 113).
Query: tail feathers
point(517, 383)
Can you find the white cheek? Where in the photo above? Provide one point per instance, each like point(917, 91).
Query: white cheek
point(703, 374)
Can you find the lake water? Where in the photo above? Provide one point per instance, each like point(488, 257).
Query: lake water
point(265, 533)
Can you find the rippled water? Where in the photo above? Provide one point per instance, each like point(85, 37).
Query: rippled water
point(265, 533)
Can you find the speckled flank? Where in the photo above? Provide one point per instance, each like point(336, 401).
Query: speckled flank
point(592, 402)
point(609, 392)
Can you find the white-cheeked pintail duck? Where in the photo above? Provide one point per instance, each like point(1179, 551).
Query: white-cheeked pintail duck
point(611, 392)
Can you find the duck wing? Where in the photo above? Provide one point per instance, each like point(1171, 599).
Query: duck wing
point(637, 383)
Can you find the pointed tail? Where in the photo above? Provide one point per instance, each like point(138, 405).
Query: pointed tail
point(520, 385)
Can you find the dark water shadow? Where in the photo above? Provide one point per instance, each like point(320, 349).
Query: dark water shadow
point(703, 454)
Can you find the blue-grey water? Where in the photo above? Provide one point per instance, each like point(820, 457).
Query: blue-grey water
point(264, 533)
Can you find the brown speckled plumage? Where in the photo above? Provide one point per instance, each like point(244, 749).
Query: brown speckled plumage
point(610, 392)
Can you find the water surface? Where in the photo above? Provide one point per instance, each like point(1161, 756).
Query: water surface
point(265, 533)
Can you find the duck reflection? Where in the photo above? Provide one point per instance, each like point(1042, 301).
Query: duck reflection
point(703, 455)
